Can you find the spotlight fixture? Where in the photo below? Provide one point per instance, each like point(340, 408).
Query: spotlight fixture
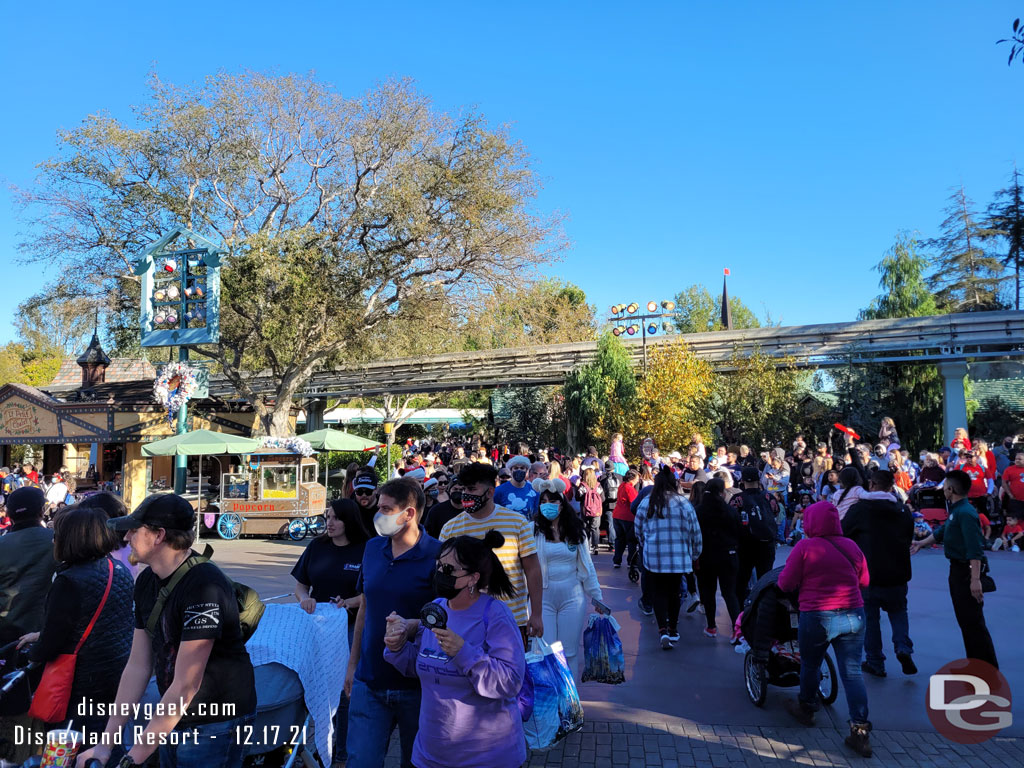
point(652, 306)
point(668, 306)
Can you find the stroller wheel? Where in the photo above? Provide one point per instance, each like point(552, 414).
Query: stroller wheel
point(828, 688)
point(756, 678)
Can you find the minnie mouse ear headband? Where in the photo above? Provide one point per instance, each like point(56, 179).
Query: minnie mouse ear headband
point(557, 486)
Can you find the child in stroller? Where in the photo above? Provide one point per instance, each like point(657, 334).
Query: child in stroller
point(768, 625)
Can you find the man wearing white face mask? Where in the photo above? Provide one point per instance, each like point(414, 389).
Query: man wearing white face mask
point(396, 576)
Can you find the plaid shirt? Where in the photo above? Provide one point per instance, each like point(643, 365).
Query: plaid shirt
point(671, 543)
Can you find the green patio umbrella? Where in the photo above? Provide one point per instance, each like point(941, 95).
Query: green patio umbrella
point(336, 440)
point(201, 442)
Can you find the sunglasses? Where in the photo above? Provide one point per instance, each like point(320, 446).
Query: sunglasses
point(363, 491)
point(449, 570)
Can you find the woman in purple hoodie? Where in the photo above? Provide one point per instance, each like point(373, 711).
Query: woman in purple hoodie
point(829, 570)
point(470, 665)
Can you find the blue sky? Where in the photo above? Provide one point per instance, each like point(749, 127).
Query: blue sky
point(789, 142)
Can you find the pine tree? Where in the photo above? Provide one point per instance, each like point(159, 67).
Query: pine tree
point(910, 394)
point(966, 278)
point(1006, 222)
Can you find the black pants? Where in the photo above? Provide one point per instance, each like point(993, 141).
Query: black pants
point(625, 538)
point(664, 589)
point(754, 557)
point(592, 528)
point(970, 615)
point(691, 583)
point(718, 572)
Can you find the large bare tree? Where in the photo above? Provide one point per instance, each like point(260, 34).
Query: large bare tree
point(338, 214)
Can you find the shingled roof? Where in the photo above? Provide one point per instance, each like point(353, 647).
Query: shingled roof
point(121, 369)
point(1010, 391)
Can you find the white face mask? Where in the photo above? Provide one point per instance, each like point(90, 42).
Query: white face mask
point(388, 525)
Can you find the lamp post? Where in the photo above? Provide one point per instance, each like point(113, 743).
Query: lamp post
point(644, 323)
point(389, 432)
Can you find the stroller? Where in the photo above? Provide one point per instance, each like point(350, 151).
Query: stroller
point(634, 562)
point(931, 503)
point(769, 625)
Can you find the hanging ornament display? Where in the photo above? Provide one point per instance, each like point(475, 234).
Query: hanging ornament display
point(174, 387)
point(173, 294)
point(159, 294)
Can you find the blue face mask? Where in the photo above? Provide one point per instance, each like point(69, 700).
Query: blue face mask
point(550, 510)
point(519, 475)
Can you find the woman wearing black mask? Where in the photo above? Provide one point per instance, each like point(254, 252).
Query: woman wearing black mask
point(443, 511)
point(472, 667)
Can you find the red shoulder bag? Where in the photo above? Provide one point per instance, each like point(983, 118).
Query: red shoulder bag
point(50, 702)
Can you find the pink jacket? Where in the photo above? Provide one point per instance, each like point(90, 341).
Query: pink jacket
point(826, 568)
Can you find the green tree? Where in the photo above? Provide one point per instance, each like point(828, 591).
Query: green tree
point(966, 278)
point(338, 214)
point(697, 311)
point(904, 286)
point(673, 399)
point(910, 394)
point(548, 311)
point(758, 401)
point(598, 394)
point(58, 320)
point(1006, 222)
point(22, 365)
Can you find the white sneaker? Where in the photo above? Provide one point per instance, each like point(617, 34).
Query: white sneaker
point(691, 604)
point(997, 545)
point(666, 642)
point(1015, 548)
point(700, 608)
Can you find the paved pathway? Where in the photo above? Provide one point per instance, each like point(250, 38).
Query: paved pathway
point(688, 706)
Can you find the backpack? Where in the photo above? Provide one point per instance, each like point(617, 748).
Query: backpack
point(592, 502)
point(756, 516)
point(250, 607)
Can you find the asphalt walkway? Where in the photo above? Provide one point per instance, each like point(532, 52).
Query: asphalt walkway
point(688, 706)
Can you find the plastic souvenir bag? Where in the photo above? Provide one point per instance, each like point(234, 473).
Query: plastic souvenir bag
point(602, 651)
point(557, 711)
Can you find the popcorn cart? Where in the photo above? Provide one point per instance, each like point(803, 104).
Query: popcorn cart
point(273, 494)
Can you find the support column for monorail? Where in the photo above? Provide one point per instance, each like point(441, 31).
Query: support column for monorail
point(954, 399)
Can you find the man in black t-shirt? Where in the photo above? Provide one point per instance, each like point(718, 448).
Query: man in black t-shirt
point(364, 491)
point(203, 672)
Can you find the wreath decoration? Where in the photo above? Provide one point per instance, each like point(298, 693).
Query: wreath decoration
point(174, 386)
point(290, 444)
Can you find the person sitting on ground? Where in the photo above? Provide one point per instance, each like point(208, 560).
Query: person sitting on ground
point(1012, 534)
point(472, 669)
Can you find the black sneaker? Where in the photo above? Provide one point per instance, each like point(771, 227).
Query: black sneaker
point(616, 565)
point(645, 609)
point(865, 667)
point(909, 667)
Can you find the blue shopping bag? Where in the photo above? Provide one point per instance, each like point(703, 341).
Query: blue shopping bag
point(557, 711)
point(602, 651)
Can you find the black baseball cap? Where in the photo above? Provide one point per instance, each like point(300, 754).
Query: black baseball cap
point(365, 478)
point(24, 504)
point(749, 475)
point(161, 510)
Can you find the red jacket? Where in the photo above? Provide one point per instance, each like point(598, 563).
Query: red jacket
point(627, 493)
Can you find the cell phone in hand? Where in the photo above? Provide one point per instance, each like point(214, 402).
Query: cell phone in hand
point(602, 608)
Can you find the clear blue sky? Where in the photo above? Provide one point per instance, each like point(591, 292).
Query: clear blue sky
point(789, 142)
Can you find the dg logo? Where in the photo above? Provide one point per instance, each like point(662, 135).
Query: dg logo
point(969, 701)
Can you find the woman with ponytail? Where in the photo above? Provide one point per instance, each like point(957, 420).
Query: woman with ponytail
point(470, 663)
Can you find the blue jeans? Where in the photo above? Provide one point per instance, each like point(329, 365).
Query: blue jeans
point(844, 631)
point(372, 717)
point(892, 600)
point(214, 744)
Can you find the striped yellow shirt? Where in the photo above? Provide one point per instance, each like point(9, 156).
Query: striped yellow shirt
point(519, 543)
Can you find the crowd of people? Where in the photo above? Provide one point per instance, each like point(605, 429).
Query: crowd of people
point(452, 564)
